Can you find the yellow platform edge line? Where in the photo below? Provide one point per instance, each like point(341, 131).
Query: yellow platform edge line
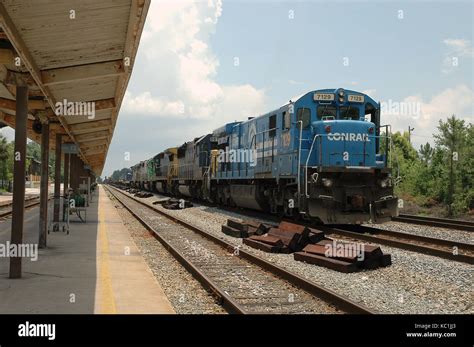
point(107, 300)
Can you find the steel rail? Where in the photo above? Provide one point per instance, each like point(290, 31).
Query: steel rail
point(436, 222)
point(225, 300)
point(310, 287)
point(9, 212)
point(9, 203)
point(395, 240)
point(397, 244)
point(424, 239)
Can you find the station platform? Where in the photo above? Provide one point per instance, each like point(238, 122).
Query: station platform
point(97, 268)
point(6, 198)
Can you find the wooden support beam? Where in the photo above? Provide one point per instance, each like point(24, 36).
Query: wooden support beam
point(19, 166)
point(94, 143)
point(10, 120)
point(92, 136)
point(57, 179)
point(42, 82)
point(96, 158)
point(105, 104)
point(86, 150)
point(44, 183)
point(27, 60)
point(67, 158)
point(90, 126)
point(16, 40)
point(6, 56)
point(91, 130)
point(99, 105)
point(89, 146)
point(92, 152)
point(32, 104)
point(12, 78)
point(99, 115)
point(82, 72)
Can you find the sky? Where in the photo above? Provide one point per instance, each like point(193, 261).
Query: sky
point(202, 64)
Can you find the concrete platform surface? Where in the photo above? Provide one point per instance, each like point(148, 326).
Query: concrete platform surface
point(97, 268)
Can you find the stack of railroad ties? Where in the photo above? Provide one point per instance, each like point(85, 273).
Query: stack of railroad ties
point(308, 245)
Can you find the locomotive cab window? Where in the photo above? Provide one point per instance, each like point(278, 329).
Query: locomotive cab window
point(304, 114)
point(272, 123)
point(370, 113)
point(326, 112)
point(285, 120)
point(349, 113)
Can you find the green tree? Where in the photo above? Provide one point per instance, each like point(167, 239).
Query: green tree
point(33, 150)
point(4, 156)
point(120, 174)
point(463, 198)
point(426, 153)
point(452, 138)
point(405, 163)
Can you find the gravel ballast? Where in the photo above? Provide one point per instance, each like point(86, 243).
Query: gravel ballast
point(415, 283)
point(428, 231)
point(255, 290)
point(186, 294)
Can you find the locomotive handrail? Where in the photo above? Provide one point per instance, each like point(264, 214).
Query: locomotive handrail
point(259, 133)
point(325, 135)
point(306, 166)
point(299, 163)
point(320, 136)
point(387, 152)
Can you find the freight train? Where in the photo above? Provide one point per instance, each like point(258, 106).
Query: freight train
point(321, 156)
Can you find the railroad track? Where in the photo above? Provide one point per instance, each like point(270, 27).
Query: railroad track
point(420, 244)
point(452, 250)
point(436, 222)
point(242, 282)
point(31, 202)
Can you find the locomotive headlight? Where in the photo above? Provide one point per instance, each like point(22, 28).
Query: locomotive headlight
point(327, 182)
point(341, 93)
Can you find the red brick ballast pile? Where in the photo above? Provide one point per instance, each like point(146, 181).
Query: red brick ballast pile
point(308, 245)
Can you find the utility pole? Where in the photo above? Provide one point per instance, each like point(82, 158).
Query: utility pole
point(410, 129)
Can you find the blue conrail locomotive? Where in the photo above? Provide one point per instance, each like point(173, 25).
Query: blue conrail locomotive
point(317, 157)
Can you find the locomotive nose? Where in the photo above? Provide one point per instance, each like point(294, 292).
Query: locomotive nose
point(343, 143)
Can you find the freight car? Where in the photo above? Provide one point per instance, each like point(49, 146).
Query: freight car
point(318, 157)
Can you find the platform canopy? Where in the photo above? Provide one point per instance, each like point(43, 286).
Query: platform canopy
point(76, 58)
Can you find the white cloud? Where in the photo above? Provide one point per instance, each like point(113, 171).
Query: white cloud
point(424, 115)
point(182, 67)
point(145, 104)
point(460, 47)
point(457, 48)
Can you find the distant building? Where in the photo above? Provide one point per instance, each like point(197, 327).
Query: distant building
point(33, 173)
